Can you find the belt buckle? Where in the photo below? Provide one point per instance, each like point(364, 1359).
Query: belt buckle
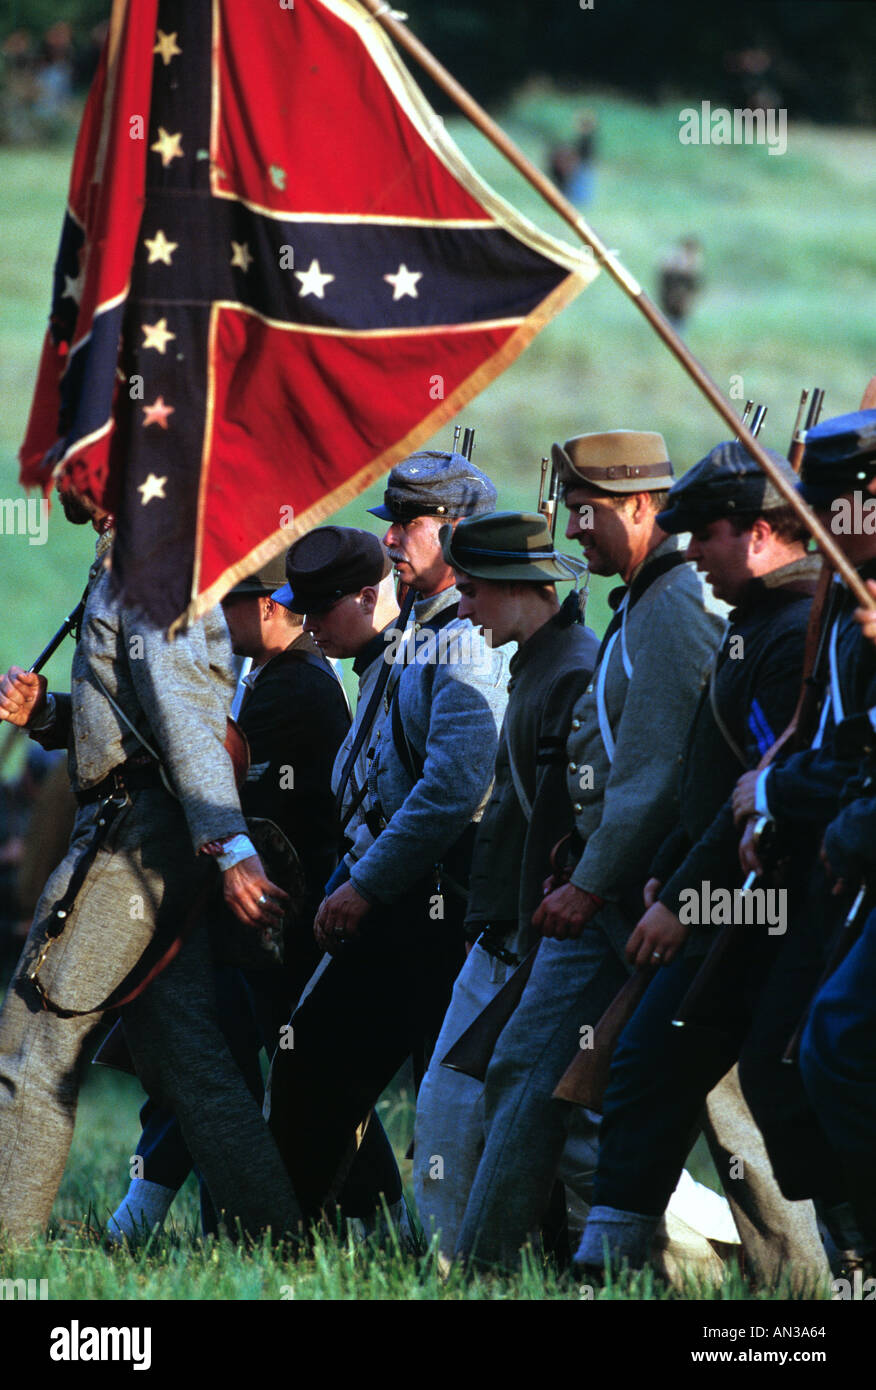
point(118, 794)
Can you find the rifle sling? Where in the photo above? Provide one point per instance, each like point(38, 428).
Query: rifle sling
point(640, 585)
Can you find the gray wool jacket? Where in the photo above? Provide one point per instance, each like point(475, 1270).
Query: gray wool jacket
point(512, 851)
point(625, 807)
point(451, 696)
point(176, 694)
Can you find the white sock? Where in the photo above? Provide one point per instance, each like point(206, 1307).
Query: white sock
point(144, 1207)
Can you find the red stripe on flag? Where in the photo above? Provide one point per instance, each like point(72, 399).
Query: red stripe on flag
point(310, 414)
point(325, 129)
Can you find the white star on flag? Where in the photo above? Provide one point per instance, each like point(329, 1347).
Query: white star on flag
point(159, 248)
point(404, 282)
point(241, 255)
point(167, 46)
point(313, 281)
point(168, 146)
point(73, 288)
point(156, 335)
point(153, 487)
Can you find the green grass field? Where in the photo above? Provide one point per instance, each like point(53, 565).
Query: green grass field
point(790, 302)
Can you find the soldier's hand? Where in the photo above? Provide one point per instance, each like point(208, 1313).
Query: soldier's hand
point(650, 891)
point(743, 796)
point(748, 855)
point(22, 696)
point(565, 912)
point(339, 916)
point(251, 895)
point(657, 939)
point(867, 616)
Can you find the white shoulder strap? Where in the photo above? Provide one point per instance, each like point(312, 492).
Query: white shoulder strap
point(601, 711)
point(525, 803)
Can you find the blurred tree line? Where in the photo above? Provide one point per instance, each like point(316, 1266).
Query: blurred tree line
point(814, 56)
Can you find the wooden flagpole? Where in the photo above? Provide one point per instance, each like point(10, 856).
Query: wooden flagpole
point(389, 20)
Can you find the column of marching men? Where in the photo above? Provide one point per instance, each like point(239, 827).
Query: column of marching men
point(519, 815)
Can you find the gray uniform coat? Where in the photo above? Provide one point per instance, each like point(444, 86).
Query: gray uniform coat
point(512, 850)
point(625, 807)
point(451, 705)
point(137, 891)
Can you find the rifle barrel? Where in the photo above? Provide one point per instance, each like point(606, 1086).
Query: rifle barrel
point(815, 408)
point(798, 418)
point(52, 646)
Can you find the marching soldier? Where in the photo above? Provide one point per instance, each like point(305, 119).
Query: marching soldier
point(751, 545)
point(825, 790)
point(359, 622)
point(395, 928)
point(294, 715)
point(146, 724)
point(506, 570)
point(624, 744)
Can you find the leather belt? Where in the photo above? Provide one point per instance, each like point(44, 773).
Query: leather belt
point(131, 776)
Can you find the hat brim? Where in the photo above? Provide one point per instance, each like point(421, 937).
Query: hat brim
point(821, 495)
point(249, 588)
point(284, 597)
point(518, 572)
point(382, 512)
point(676, 521)
point(543, 572)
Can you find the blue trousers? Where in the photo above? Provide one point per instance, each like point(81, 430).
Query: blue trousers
point(838, 1051)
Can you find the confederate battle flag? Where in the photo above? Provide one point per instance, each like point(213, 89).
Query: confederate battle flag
point(277, 276)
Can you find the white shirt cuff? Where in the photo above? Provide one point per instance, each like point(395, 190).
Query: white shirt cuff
point(237, 848)
point(761, 804)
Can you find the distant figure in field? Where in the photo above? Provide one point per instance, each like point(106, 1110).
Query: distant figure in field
point(681, 279)
point(572, 164)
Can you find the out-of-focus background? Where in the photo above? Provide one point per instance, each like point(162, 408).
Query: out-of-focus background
point(765, 260)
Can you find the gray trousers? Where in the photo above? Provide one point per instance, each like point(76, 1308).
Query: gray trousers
point(571, 984)
point(145, 873)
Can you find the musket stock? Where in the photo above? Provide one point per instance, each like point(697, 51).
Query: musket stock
point(472, 1051)
point(586, 1077)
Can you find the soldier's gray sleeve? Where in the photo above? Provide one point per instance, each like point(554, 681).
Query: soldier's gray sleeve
point(641, 796)
point(183, 698)
point(465, 715)
point(56, 732)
